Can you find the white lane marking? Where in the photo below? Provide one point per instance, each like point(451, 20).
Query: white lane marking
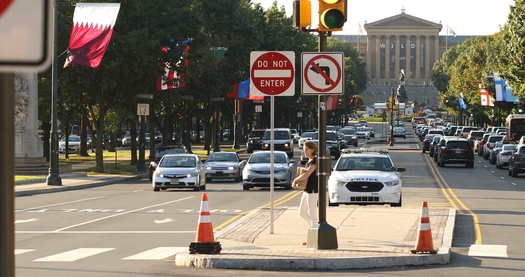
point(156, 211)
point(514, 184)
point(123, 213)
point(105, 232)
point(502, 178)
point(158, 253)
point(23, 251)
point(25, 220)
point(488, 250)
point(62, 203)
point(139, 190)
point(74, 255)
point(162, 221)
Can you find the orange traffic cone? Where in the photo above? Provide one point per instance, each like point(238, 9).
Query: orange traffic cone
point(424, 238)
point(205, 242)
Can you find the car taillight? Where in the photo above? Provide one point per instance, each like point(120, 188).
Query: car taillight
point(506, 153)
point(446, 150)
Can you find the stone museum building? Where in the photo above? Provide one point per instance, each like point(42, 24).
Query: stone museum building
point(400, 42)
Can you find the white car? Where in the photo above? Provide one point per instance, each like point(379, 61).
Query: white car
point(503, 157)
point(179, 171)
point(363, 132)
point(365, 178)
point(306, 136)
point(73, 145)
point(400, 132)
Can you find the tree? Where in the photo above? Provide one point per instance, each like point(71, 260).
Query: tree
point(514, 50)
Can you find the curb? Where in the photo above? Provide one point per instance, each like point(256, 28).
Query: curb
point(322, 264)
point(301, 264)
point(75, 187)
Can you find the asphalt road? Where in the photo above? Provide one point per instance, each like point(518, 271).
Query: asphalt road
point(129, 230)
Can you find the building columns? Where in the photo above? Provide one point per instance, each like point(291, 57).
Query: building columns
point(397, 56)
point(369, 56)
point(427, 57)
point(387, 58)
point(407, 56)
point(436, 48)
point(418, 57)
point(378, 57)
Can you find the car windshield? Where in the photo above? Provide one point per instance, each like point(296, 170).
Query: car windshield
point(74, 138)
point(347, 131)
point(257, 134)
point(364, 163)
point(162, 152)
point(178, 161)
point(477, 135)
point(223, 157)
point(509, 147)
point(436, 139)
point(264, 158)
point(277, 135)
point(495, 139)
point(309, 135)
point(331, 136)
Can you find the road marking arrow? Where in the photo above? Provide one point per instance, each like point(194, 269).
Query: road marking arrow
point(156, 211)
point(162, 221)
point(25, 220)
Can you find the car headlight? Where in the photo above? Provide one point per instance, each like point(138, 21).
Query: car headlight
point(286, 145)
point(392, 183)
point(160, 175)
point(208, 167)
point(189, 175)
point(340, 183)
point(266, 145)
point(231, 168)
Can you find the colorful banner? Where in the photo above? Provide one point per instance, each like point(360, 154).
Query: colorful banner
point(92, 30)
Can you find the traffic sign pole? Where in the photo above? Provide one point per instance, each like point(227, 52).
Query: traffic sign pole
point(272, 161)
point(7, 198)
point(322, 235)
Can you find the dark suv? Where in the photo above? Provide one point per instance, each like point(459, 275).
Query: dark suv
point(254, 140)
point(455, 150)
point(517, 162)
point(283, 141)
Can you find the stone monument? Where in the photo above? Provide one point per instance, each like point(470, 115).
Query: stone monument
point(28, 145)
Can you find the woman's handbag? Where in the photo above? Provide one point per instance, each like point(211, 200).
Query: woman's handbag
point(300, 185)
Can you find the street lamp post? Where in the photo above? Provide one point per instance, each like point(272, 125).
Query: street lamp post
point(54, 179)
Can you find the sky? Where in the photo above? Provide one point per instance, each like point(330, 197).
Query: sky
point(464, 17)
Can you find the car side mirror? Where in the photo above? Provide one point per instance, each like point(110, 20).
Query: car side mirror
point(401, 169)
point(291, 164)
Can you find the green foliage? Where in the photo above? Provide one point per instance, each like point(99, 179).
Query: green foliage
point(514, 50)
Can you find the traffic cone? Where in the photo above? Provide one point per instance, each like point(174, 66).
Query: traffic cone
point(424, 239)
point(205, 242)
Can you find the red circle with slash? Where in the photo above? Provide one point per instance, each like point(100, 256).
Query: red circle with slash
point(327, 78)
point(4, 4)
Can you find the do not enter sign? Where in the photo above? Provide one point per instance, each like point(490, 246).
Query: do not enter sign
point(272, 73)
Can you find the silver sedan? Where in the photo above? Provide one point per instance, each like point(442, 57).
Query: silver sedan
point(224, 165)
point(256, 173)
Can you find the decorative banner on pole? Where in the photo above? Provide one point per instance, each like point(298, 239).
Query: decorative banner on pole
point(486, 98)
point(92, 30)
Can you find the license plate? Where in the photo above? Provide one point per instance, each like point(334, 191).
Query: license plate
point(459, 151)
point(365, 194)
point(219, 172)
point(174, 182)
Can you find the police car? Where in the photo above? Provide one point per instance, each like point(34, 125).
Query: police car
point(364, 178)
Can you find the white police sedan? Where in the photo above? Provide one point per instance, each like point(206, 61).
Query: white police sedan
point(179, 171)
point(365, 178)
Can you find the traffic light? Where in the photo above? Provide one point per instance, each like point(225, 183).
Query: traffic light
point(332, 15)
point(302, 13)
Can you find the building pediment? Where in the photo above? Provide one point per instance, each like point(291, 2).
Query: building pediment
point(402, 21)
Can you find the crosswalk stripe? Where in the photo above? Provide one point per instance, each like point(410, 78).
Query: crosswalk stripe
point(158, 253)
point(488, 250)
point(23, 251)
point(74, 255)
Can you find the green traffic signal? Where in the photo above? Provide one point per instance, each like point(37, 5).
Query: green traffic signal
point(333, 18)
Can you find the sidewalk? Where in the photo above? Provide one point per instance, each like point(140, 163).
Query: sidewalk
point(368, 237)
point(72, 181)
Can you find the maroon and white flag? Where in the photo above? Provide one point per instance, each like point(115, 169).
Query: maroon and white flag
point(486, 98)
point(92, 29)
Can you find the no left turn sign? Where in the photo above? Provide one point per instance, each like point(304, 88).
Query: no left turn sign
point(322, 73)
point(272, 73)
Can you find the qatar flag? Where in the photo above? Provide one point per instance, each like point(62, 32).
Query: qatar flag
point(92, 29)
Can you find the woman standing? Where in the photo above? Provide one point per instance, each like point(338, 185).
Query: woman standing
point(310, 197)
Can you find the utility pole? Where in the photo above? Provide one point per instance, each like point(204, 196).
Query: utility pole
point(322, 235)
point(7, 184)
point(392, 105)
point(54, 179)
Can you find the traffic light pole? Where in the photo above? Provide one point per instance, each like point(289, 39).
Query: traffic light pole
point(322, 235)
point(7, 146)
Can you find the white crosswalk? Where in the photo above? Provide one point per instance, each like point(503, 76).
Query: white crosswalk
point(73, 255)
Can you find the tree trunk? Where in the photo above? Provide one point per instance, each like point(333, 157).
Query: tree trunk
point(67, 133)
point(83, 136)
point(133, 134)
point(46, 128)
point(99, 144)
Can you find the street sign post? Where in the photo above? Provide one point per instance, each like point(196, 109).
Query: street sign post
point(322, 73)
point(272, 73)
point(25, 32)
point(143, 109)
